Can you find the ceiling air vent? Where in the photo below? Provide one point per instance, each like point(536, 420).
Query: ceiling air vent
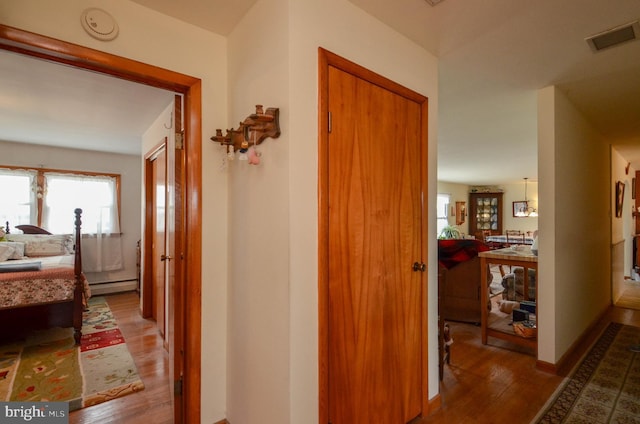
point(614, 36)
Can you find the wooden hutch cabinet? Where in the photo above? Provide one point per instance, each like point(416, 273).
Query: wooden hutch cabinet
point(485, 213)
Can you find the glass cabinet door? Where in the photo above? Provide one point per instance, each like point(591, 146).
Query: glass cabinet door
point(486, 213)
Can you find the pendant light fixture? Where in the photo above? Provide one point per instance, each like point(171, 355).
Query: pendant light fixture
point(526, 210)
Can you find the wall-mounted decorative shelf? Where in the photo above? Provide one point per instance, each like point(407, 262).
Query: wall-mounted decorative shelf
point(252, 131)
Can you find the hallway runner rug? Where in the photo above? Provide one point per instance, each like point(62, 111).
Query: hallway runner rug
point(604, 387)
point(49, 367)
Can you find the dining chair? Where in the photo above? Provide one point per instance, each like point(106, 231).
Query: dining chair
point(515, 237)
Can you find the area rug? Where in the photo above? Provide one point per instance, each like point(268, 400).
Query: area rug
point(604, 387)
point(48, 366)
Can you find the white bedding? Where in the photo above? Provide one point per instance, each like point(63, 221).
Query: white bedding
point(64, 261)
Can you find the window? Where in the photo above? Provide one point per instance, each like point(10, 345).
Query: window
point(18, 198)
point(47, 198)
point(95, 195)
point(442, 214)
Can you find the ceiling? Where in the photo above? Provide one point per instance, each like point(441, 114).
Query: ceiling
point(493, 57)
point(52, 104)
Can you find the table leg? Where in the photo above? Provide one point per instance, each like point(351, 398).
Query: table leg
point(484, 288)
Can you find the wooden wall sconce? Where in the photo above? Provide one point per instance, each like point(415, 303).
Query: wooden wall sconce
point(251, 132)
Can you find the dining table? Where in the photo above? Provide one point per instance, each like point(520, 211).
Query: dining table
point(503, 239)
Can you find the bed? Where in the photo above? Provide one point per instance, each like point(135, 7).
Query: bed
point(41, 280)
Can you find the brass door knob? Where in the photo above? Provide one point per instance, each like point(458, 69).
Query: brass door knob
point(419, 266)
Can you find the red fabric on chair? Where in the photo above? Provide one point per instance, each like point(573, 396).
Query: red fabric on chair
point(451, 252)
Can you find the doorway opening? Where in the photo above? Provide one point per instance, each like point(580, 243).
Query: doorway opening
point(184, 358)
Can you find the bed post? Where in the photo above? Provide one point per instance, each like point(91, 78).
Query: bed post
point(78, 293)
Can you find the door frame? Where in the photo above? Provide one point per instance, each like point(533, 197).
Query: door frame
point(188, 277)
point(325, 60)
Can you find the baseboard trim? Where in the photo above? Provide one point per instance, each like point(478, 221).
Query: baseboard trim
point(435, 403)
point(222, 422)
point(577, 350)
point(109, 288)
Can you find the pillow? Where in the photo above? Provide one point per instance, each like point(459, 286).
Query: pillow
point(44, 245)
point(20, 267)
point(6, 251)
point(507, 306)
point(18, 249)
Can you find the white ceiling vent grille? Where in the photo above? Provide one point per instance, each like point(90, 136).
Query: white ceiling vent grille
point(614, 36)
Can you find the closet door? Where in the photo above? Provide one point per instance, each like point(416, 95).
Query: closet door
point(375, 228)
point(158, 165)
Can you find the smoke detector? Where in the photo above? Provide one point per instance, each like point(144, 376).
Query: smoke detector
point(614, 36)
point(99, 24)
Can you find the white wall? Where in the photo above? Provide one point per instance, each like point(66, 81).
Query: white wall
point(623, 227)
point(574, 258)
point(128, 166)
point(514, 192)
point(258, 328)
point(156, 39)
point(619, 225)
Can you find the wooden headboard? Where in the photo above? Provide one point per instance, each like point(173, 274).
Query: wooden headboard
point(32, 229)
point(28, 229)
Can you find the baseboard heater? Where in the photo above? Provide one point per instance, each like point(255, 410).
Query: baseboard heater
point(109, 287)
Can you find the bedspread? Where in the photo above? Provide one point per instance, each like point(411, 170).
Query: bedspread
point(37, 287)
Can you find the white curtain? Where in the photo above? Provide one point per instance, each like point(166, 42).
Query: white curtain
point(97, 197)
point(101, 252)
point(18, 197)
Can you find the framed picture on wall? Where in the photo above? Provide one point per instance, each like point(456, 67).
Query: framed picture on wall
point(520, 209)
point(461, 212)
point(619, 198)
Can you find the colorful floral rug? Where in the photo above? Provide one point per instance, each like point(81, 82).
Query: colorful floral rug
point(605, 386)
point(48, 366)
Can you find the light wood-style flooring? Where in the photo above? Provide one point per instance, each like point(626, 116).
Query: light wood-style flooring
point(489, 384)
point(630, 297)
point(483, 384)
point(153, 404)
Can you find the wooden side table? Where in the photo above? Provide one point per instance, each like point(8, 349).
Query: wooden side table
point(512, 257)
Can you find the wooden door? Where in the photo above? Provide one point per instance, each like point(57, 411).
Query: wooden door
point(376, 302)
point(165, 200)
point(163, 293)
point(158, 163)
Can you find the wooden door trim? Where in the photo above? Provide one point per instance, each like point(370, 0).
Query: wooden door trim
point(327, 59)
point(39, 46)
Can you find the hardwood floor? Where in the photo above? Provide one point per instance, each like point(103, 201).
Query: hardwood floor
point(153, 404)
point(488, 384)
point(630, 297)
point(483, 384)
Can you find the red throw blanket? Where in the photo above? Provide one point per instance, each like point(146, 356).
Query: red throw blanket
point(454, 251)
